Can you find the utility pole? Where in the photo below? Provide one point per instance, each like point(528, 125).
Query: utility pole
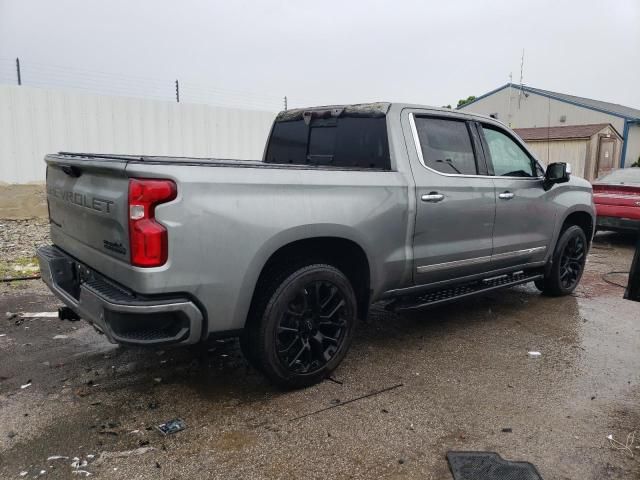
point(177, 91)
point(285, 103)
point(18, 71)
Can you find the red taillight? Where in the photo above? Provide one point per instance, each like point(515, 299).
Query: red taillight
point(148, 238)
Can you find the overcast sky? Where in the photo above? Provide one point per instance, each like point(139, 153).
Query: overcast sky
point(430, 52)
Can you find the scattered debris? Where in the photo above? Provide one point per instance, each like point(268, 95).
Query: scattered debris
point(77, 463)
point(23, 473)
point(507, 430)
point(3, 334)
point(57, 457)
point(39, 315)
point(623, 446)
point(81, 472)
point(126, 453)
point(153, 405)
point(172, 426)
point(377, 392)
point(534, 354)
point(157, 380)
point(12, 434)
point(82, 391)
point(26, 385)
point(60, 337)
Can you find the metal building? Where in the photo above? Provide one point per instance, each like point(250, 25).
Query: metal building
point(527, 107)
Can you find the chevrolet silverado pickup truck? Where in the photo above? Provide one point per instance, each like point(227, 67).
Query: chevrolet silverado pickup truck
point(396, 203)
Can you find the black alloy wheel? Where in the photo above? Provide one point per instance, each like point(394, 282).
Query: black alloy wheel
point(312, 328)
point(572, 262)
point(301, 324)
point(567, 263)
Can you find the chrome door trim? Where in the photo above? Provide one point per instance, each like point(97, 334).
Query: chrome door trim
point(479, 260)
point(518, 253)
point(458, 263)
point(416, 142)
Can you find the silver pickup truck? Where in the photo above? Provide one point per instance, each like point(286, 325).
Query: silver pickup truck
point(351, 205)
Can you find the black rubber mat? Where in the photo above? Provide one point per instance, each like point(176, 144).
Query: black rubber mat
point(489, 466)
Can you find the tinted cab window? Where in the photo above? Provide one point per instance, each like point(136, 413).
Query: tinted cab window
point(355, 142)
point(508, 158)
point(446, 145)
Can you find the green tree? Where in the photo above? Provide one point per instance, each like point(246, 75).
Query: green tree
point(462, 102)
point(447, 106)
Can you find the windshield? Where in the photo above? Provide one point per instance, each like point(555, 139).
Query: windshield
point(623, 176)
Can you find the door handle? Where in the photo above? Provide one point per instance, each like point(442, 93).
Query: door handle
point(432, 197)
point(506, 195)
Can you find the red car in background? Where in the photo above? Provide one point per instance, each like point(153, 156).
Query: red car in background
point(617, 199)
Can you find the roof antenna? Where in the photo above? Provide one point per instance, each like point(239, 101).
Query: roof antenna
point(521, 76)
point(510, 95)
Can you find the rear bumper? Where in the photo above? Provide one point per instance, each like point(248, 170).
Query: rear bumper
point(618, 224)
point(123, 316)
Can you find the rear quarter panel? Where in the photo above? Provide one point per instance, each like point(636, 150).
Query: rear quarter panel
point(226, 222)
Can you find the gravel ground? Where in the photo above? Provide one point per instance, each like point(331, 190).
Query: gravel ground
point(20, 238)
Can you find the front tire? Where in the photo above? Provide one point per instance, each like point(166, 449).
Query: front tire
point(568, 261)
point(301, 325)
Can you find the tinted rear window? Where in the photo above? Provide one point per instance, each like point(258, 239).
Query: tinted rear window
point(624, 175)
point(446, 145)
point(356, 142)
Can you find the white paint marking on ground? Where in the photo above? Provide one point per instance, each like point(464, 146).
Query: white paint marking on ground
point(39, 315)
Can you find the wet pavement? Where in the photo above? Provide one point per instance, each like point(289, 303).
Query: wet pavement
point(468, 383)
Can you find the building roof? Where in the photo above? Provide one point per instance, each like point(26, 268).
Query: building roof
point(598, 105)
point(567, 132)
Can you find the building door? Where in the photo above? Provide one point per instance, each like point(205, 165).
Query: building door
point(606, 155)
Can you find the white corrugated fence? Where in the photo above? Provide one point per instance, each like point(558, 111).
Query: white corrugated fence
point(37, 121)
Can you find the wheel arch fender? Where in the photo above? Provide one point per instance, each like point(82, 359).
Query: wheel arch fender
point(289, 237)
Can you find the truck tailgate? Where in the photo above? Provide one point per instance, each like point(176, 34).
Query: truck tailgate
point(87, 200)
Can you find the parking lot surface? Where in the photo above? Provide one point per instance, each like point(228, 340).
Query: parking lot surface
point(467, 382)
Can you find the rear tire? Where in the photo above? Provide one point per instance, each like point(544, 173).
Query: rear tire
point(569, 258)
point(301, 325)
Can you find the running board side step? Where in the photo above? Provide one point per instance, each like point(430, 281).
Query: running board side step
point(450, 294)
